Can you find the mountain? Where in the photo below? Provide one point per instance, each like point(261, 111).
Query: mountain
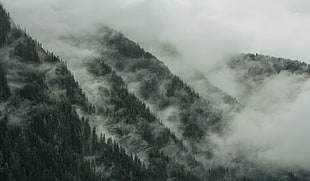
point(188, 117)
point(173, 102)
point(259, 67)
point(152, 82)
point(44, 136)
point(256, 74)
point(108, 111)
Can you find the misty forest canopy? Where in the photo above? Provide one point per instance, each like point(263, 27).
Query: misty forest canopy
point(121, 115)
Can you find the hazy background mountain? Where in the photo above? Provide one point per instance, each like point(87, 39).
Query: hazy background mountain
point(276, 94)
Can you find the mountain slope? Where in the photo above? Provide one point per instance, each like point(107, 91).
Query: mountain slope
point(126, 103)
point(190, 117)
point(164, 94)
point(99, 90)
point(4, 26)
point(152, 82)
point(42, 136)
point(41, 112)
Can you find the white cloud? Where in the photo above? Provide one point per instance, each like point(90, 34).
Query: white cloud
point(204, 31)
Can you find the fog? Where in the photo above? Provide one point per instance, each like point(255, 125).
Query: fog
point(200, 35)
point(203, 30)
point(274, 127)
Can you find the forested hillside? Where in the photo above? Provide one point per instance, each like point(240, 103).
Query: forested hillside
point(119, 114)
point(189, 116)
point(255, 73)
point(42, 135)
point(257, 67)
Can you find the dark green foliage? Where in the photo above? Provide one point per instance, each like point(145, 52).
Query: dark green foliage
point(124, 167)
point(148, 88)
point(130, 110)
point(253, 70)
point(258, 65)
point(192, 130)
point(5, 26)
point(127, 107)
point(53, 143)
point(35, 88)
point(54, 146)
point(150, 64)
point(120, 97)
point(49, 147)
point(17, 33)
point(126, 47)
point(27, 50)
point(4, 88)
point(222, 173)
point(191, 127)
point(178, 173)
point(158, 162)
point(50, 143)
point(66, 81)
point(177, 84)
point(158, 86)
point(294, 66)
point(99, 68)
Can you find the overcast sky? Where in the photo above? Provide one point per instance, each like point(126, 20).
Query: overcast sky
point(201, 29)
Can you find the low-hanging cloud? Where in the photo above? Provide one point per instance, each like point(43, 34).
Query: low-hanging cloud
point(274, 127)
point(204, 33)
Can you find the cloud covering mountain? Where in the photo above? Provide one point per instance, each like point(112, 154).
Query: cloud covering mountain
point(200, 36)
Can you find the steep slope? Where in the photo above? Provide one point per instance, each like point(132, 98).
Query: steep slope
point(190, 117)
point(131, 123)
point(164, 94)
point(42, 135)
point(4, 26)
point(180, 100)
point(217, 97)
point(153, 83)
point(124, 94)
